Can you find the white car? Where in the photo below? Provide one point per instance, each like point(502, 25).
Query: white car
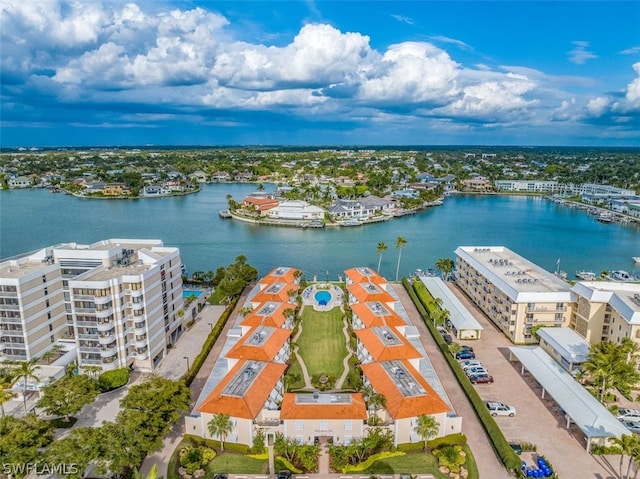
point(475, 371)
point(632, 426)
point(630, 414)
point(470, 363)
point(500, 409)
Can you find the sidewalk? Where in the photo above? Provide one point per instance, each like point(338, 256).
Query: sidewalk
point(175, 364)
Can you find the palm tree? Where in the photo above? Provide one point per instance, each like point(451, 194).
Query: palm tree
point(382, 247)
point(6, 394)
point(427, 427)
point(400, 243)
point(377, 402)
point(630, 447)
point(25, 370)
point(220, 426)
point(445, 265)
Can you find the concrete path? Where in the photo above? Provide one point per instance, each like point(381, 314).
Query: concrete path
point(489, 465)
point(175, 365)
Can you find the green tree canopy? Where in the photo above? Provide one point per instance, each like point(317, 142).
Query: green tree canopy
point(68, 395)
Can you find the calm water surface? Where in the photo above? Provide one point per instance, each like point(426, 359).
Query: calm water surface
point(533, 227)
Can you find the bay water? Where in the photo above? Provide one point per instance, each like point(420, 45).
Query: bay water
point(541, 231)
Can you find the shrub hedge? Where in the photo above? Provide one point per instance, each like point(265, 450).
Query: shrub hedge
point(110, 380)
point(457, 439)
point(214, 444)
point(190, 375)
point(370, 460)
point(509, 458)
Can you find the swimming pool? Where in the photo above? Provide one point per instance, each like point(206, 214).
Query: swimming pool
point(187, 293)
point(322, 297)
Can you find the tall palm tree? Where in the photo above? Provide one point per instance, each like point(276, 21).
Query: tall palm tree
point(400, 243)
point(630, 447)
point(220, 426)
point(152, 474)
point(25, 370)
point(445, 266)
point(381, 248)
point(427, 427)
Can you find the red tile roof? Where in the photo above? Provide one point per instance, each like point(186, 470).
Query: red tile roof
point(399, 405)
point(359, 291)
point(380, 351)
point(250, 403)
point(356, 276)
point(263, 351)
point(275, 319)
point(355, 409)
point(282, 274)
point(262, 204)
point(370, 319)
point(282, 293)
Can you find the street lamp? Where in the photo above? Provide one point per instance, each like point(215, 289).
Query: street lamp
point(210, 326)
point(187, 358)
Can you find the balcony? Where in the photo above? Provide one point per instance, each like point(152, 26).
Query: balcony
point(92, 337)
point(106, 339)
point(102, 300)
point(83, 297)
point(8, 294)
point(105, 326)
point(11, 320)
point(10, 307)
point(107, 353)
point(104, 313)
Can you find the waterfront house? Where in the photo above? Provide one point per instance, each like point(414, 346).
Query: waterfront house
point(259, 204)
point(20, 182)
point(296, 210)
point(220, 176)
point(116, 189)
point(198, 176)
point(362, 208)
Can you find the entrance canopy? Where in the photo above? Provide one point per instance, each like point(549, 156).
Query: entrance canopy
point(593, 419)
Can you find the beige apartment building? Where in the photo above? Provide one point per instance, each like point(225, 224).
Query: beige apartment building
point(514, 293)
point(607, 311)
point(117, 301)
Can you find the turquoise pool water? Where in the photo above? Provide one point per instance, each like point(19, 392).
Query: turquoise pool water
point(186, 293)
point(322, 297)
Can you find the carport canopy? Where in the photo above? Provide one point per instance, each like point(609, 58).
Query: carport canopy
point(593, 419)
point(459, 316)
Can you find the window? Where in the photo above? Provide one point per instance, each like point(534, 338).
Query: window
point(348, 425)
point(324, 426)
point(299, 425)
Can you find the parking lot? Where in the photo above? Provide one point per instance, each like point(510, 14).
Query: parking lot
point(538, 420)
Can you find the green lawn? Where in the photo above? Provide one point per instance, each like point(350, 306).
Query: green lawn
point(322, 342)
point(412, 463)
point(232, 463)
point(296, 370)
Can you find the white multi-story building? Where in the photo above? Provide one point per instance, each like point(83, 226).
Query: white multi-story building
point(118, 301)
point(514, 293)
point(528, 186)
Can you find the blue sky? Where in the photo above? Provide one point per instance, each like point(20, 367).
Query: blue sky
point(79, 73)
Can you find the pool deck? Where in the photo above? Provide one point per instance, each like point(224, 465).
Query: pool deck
point(308, 296)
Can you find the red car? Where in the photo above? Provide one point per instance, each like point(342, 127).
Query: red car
point(481, 379)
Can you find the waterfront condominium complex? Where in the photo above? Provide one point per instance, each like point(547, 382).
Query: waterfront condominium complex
point(117, 302)
point(248, 382)
point(607, 311)
point(514, 293)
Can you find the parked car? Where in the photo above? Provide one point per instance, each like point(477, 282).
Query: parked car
point(465, 355)
point(476, 371)
point(220, 476)
point(447, 338)
point(470, 363)
point(481, 379)
point(631, 414)
point(284, 474)
point(466, 348)
point(500, 409)
point(632, 426)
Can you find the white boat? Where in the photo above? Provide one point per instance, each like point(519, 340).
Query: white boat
point(605, 217)
point(351, 223)
point(636, 259)
point(586, 275)
point(621, 275)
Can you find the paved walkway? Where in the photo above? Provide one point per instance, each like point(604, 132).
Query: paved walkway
point(489, 466)
point(175, 365)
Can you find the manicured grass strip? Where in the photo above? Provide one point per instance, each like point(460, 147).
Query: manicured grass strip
point(295, 370)
point(322, 342)
point(231, 463)
point(413, 463)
